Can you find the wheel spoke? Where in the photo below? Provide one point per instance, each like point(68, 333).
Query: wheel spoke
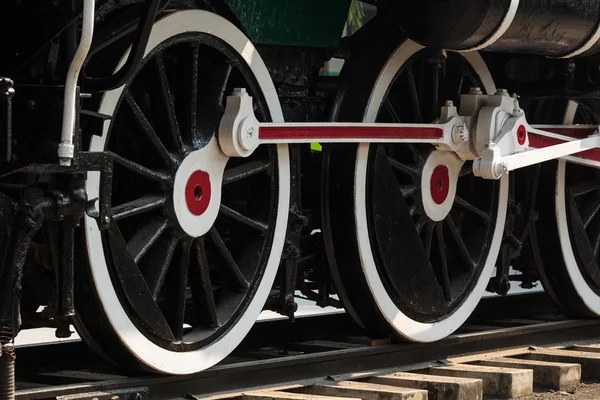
point(590, 212)
point(584, 248)
point(174, 309)
point(412, 210)
point(462, 248)
point(404, 168)
point(243, 219)
point(391, 111)
point(230, 264)
point(420, 224)
point(168, 103)
point(193, 96)
point(428, 238)
point(149, 130)
point(143, 239)
point(466, 169)
point(417, 155)
point(414, 94)
point(224, 81)
point(202, 291)
point(408, 190)
point(211, 102)
point(244, 171)
point(585, 187)
point(445, 278)
point(158, 262)
point(136, 290)
point(138, 206)
point(471, 208)
point(139, 169)
point(596, 244)
point(459, 90)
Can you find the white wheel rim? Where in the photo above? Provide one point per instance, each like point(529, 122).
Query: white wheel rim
point(144, 350)
point(587, 295)
point(404, 325)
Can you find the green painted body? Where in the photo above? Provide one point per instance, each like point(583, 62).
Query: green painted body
point(313, 23)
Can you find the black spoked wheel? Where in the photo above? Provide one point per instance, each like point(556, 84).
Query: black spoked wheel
point(425, 232)
point(195, 238)
point(568, 230)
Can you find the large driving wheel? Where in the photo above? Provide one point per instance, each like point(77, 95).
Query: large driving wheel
point(413, 235)
point(568, 229)
point(195, 239)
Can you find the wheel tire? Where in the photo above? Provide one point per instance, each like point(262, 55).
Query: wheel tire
point(562, 273)
point(362, 287)
point(106, 319)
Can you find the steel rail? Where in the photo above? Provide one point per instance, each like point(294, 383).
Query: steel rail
point(236, 375)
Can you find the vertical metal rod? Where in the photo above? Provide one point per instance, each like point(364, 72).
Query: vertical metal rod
point(66, 148)
point(7, 364)
point(7, 91)
point(64, 274)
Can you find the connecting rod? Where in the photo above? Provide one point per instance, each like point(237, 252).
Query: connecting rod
point(491, 130)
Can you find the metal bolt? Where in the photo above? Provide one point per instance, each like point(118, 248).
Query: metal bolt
point(449, 103)
point(239, 91)
point(502, 92)
point(250, 132)
point(460, 133)
point(516, 107)
point(106, 219)
point(475, 90)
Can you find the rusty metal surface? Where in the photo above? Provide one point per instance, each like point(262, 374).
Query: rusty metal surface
point(545, 27)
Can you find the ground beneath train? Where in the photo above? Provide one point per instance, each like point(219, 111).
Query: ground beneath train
point(582, 391)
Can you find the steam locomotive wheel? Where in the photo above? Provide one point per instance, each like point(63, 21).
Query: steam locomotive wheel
point(414, 234)
point(569, 226)
point(195, 238)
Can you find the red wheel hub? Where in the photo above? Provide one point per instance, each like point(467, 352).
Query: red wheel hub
point(521, 134)
point(197, 192)
point(439, 184)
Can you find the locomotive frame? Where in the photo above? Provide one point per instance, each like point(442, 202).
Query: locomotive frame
point(225, 218)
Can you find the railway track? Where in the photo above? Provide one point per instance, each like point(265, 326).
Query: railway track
point(316, 352)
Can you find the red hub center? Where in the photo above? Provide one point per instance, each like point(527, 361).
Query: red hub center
point(521, 134)
point(197, 192)
point(439, 184)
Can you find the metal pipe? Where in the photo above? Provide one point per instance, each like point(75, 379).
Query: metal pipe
point(136, 54)
point(66, 148)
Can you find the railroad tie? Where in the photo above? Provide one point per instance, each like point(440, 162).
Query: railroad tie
point(279, 395)
point(549, 375)
point(589, 361)
point(497, 381)
point(438, 387)
point(363, 390)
